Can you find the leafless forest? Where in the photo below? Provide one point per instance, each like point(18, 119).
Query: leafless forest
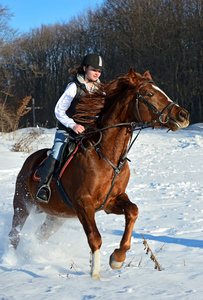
point(163, 36)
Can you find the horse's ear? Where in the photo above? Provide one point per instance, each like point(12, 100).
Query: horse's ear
point(132, 75)
point(147, 75)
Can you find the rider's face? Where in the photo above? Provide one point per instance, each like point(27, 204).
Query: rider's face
point(92, 74)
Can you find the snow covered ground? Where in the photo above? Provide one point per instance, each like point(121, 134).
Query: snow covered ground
point(167, 185)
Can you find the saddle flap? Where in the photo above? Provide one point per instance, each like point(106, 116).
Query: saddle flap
point(67, 156)
point(69, 151)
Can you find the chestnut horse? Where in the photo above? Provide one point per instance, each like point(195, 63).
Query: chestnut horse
point(97, 176)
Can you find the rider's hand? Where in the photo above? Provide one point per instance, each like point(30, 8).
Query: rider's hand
point(78, 128)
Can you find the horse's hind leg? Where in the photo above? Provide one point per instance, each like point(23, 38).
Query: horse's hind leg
point(21, 211)
point(20, 216)
point(122, 205)
point(51, 225)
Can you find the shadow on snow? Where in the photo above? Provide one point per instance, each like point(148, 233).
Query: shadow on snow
point(165, 239)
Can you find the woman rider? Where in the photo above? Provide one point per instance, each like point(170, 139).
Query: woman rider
point(87, 75)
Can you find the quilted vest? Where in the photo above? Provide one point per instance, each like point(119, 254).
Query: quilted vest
point(81, 91)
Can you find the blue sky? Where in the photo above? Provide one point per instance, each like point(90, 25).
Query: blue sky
point(33, 13)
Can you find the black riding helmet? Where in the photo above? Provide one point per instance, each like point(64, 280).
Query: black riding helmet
point(93, 60)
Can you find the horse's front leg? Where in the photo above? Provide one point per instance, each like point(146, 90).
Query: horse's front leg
point(86, 215)
point(122, 205)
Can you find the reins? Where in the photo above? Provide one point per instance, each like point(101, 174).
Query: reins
point(142, 125)
point(96, 130)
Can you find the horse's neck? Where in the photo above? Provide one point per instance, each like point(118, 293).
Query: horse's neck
point(117, 143)
point(115, 140)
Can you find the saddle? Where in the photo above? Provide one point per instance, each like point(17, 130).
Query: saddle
point(68, 153)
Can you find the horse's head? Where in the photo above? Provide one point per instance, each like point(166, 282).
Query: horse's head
point(152, 106)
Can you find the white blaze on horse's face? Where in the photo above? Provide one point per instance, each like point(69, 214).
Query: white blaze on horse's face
point(158, 89)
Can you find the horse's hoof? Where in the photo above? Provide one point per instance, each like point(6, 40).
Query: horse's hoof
point(96, 276)
point(14, 238)
point(115, 265)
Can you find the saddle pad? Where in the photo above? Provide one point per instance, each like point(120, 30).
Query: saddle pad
point(37, 173)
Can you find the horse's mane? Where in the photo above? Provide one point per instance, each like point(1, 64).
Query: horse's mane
point(94, 106)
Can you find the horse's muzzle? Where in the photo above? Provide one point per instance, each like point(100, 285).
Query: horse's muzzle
point(181, 120)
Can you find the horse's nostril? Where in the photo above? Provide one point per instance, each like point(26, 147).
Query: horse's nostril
point(182, 115)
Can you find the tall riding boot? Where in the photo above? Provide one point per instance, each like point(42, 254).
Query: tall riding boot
point(44, 192)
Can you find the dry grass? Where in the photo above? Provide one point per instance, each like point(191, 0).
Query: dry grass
point(24, 142)
point(152, 256)
point(9, 120)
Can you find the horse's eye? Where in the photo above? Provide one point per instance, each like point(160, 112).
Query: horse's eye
point(150, 94)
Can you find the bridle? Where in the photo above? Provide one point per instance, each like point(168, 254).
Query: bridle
point(154, 109)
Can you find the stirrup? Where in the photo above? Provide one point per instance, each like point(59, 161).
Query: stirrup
point(37, 198)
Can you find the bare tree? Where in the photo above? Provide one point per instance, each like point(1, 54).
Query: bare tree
point(162, 36)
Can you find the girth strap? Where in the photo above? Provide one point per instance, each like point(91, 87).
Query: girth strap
point(63, 193)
